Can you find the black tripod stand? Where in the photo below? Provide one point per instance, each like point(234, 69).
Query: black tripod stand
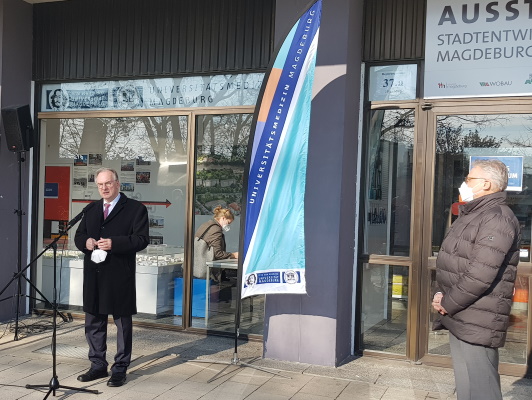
point(19, 213)
point(54, 382)
point(236, 360)
point(20, 272)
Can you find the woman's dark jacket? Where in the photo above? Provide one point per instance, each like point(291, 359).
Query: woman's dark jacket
point(109, 287)
point(476, 271)
point(215, 238)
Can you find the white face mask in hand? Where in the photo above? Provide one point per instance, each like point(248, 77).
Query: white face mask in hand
point(98, 256)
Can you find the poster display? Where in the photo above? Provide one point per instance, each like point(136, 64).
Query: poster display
point(480, 49)
point(56, 193)
point(137, 180)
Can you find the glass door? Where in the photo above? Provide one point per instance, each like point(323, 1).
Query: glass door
point(457, 134)
point(386, 242)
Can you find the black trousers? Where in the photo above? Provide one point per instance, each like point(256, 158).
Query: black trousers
point(96, 334)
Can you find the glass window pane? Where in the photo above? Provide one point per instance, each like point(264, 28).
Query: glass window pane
point(460, 137)
point(384, 308)
point(220, 157)
point(150, 156)
point(388, 191)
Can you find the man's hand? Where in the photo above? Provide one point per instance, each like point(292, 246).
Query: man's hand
point(90, 244)
point(436, 303)
point(104, 244)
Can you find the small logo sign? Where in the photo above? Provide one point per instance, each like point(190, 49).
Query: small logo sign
point(58, 100)
point(453, 85)
point(496, 83)
point(51, 190)
point(291, 277)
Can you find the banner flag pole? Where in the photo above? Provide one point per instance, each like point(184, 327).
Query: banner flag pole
point(272, 240)
point(272, 234)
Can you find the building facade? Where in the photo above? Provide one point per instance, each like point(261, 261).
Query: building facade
point(165, 91)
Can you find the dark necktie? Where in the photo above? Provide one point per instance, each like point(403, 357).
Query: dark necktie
point(106, 210)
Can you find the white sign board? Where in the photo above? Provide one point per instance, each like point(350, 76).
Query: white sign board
point(191, 91)
point(392, 82)
point(478, 48)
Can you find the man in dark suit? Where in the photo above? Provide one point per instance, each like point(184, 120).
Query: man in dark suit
point(119, 226)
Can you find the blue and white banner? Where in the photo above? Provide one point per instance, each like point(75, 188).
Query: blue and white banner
point(274, 232)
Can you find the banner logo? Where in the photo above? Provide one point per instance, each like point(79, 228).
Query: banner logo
point(496, 83)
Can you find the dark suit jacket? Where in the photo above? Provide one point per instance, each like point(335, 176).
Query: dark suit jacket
point(109, 287)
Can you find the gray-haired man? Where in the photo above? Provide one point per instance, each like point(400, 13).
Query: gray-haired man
point(475, 271)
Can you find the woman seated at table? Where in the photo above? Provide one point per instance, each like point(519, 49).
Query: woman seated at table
point(213, 234)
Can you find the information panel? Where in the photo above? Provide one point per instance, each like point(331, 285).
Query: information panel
point(392, 82)
point(478, 49)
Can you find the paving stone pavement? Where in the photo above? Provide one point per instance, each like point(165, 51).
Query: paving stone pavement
point(165, 366)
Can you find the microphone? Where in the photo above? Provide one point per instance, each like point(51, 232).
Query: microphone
point(76, 219)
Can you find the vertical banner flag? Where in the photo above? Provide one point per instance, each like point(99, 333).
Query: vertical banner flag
point(274, 235)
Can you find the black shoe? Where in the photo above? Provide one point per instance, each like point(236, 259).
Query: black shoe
point(117, 379)
point(93, 374)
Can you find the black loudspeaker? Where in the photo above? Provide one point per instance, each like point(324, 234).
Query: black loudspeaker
point(18, 128)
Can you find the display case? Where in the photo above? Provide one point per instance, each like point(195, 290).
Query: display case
point(157, 266)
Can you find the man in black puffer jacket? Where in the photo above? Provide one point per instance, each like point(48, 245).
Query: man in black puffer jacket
point(475, 271)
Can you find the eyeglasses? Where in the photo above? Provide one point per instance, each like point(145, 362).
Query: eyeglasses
point(470, 178)
point(106, 184)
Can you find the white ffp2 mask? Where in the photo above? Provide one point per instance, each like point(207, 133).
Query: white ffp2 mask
point(98, 256)
point(466, 192)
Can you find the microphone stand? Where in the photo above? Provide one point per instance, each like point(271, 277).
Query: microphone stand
point(54, 384)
